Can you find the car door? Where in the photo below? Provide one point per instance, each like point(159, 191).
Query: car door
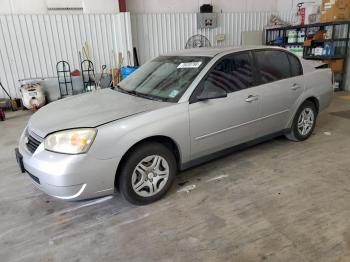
point(216, 124)
point(281, 86)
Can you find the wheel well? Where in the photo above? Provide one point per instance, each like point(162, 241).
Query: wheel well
point(314, 100)
point(164, 140)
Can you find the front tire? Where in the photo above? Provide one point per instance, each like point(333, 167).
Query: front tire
point(147, 173)
point(303, 123)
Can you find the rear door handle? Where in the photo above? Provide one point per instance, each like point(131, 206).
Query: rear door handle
point(251, 98)
point(295, 86)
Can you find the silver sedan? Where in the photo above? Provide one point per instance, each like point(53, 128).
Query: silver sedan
point(176, 111)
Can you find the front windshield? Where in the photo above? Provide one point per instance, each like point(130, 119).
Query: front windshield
point(165, 78)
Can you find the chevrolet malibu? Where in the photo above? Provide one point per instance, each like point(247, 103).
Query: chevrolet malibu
point(176, 111)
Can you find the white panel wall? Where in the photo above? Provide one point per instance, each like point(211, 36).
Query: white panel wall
point(150, 6)
point(40, 6)
point(23, 6)
point(100, 7)
point(283, 5)
point(155, 34)
point(177, 6)
point(31, 45)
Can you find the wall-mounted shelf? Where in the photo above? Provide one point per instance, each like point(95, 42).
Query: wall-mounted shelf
point(338, 41)
point(324, 57)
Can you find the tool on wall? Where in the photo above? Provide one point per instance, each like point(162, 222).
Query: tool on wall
point(136, 59)
point(88, 75)
point(120, 65)
point(128, 55)
point(98, 82)
point(86, 54)
point(12, 101)
point(116, 72)
point(64, 75)
point(302, 13)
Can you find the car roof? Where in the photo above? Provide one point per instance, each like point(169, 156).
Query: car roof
point(213, 51)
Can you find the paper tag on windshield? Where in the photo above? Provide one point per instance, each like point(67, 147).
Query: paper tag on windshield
point(189, 65)
point(173, 93)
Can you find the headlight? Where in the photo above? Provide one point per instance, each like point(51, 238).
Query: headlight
point(74, 141)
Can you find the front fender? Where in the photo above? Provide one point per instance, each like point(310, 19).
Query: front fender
point(116, 138)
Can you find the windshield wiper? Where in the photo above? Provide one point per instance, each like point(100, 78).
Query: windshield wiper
point(138, 94)
point(148, 96)
point(120, 89)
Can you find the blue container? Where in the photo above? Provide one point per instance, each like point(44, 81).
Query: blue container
point(127, 70)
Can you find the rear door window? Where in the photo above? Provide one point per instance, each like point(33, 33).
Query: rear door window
point(272, 65)
point(295, 65)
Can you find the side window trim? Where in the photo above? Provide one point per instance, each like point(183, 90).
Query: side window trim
point(257, 67)
point(251, 60)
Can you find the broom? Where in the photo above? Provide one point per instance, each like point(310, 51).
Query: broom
point(13, 101)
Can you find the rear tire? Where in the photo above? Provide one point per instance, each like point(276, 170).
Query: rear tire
point(147, 174)
point(303, 123)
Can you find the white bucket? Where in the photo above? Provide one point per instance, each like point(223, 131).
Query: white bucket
point(33, 96)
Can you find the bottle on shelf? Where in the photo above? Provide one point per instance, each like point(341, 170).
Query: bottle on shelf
point(301, 36)
point(292, 36)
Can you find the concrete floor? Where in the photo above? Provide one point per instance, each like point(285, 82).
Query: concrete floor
point(278, 201)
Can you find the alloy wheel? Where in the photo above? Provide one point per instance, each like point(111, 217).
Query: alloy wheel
point(306, 121)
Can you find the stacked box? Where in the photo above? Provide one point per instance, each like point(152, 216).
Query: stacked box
point(335, 10)
point(336, 65)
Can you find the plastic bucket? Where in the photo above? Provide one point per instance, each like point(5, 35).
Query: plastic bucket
point(127, 70)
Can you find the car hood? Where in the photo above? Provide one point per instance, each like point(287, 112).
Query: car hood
point(89, 110)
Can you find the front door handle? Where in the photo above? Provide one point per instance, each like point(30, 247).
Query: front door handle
point(251, 98)
point(295, 86)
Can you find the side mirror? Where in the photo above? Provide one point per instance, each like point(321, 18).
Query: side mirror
point(211, 92)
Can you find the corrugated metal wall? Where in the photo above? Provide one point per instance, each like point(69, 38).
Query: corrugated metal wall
point(154, 34)
point(31, 45)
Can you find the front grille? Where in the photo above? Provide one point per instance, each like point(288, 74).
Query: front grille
point(32, 144)
point(34, 178)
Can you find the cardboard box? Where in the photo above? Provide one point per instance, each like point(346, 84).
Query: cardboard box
point(319, 35)
point(308, 42)
point(335, 10)
point(336, 65)
point(338, 3)
point(341, 14)
point(336, 14)
point(343, 3)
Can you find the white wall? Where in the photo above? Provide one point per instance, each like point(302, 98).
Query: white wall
point(226, 6)
point(174, 6)
point(40, 6)
point(31, 45)
point(100, 6)
point(150, 6)
point(192, 6)
point(161, 33)
point(284, 5)
point(23, 6)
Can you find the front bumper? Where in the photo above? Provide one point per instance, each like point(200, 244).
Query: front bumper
point(69, 177)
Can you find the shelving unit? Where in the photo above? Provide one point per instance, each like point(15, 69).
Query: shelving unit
point(337, 41)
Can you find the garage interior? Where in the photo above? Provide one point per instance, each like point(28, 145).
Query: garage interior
point(275, 201)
